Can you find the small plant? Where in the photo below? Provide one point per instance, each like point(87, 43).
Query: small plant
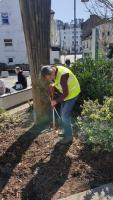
point(7, 120)
point(96, 124)
point(2, 111)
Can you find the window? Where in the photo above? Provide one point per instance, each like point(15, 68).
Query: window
point(10, 60)
point(8, 42)
point(64, 37)
point(5, 18)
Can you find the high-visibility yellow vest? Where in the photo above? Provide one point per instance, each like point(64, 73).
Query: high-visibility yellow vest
point(73, 84)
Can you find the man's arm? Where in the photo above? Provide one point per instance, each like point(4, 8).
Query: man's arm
point(64, 85)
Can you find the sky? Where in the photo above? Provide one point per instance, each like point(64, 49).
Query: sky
point(64, 9)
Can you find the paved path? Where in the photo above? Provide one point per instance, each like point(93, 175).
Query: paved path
point(104, 192)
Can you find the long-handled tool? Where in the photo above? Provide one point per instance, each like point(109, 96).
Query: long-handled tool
point(54, 124)
point(57, 113)
point(52, 93)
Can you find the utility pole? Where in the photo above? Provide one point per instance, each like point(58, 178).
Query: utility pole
point(75, 29)
point(36, 24)
point(75, 25)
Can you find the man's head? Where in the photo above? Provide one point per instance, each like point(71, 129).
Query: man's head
point(67, 62)
point(17, 70)
point(48, 73)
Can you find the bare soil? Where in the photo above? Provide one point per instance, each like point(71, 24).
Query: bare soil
point(35, 166)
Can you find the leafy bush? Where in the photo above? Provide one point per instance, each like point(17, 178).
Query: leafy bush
point(96, 124)
point(95, 78)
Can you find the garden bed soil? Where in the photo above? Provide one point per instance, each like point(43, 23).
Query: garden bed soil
point(37, 167)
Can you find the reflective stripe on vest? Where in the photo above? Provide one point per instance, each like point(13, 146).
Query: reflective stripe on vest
point(73, 84)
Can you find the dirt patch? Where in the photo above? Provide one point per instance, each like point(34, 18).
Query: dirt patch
point(37, 167)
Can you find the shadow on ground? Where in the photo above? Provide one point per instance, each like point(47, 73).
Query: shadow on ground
point(49, 176)
point(10, 159)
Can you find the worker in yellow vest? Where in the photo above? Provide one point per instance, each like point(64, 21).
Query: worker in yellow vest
point(66, 82)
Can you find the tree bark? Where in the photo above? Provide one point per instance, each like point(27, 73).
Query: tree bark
point(36, 24)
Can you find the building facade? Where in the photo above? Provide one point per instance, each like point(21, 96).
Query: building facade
point(55, 41)
point(67, 37)
point(97, 37)
point(97, 44)
point(104, 38)
point(12, 40)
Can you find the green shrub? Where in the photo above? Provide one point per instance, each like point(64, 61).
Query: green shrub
point(2, 111)
point(95, 78)
point(8, 120)
point(96, 124)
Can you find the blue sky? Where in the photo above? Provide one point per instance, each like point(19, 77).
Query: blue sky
point(64, 9)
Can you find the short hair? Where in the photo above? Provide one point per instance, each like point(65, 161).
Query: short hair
point(67, 62)
point(18, 68)
point(46, 70)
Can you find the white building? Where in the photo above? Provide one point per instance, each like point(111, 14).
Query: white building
point(54, 37)
point(67, 38)
point(12, 41)
point(96, 45)
point(55, 41)
point(87, 46)
point(104, 38)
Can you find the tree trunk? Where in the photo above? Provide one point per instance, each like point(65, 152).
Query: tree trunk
point(36, 23)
